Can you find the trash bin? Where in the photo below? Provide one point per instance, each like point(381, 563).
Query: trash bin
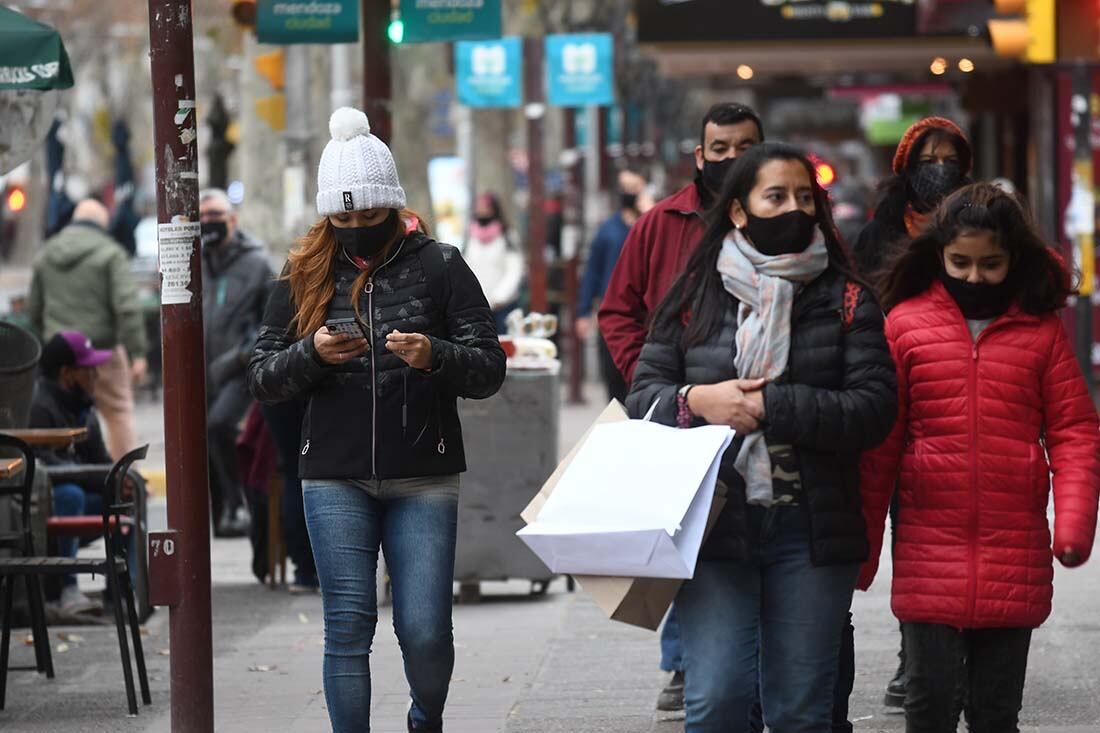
point(511, 442)
point(19, 352)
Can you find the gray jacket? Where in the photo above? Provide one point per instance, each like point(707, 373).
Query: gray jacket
point(236, 281)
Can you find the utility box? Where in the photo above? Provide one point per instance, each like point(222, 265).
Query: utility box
point(511, 442)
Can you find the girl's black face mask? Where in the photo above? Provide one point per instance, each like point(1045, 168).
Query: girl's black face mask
point(930, 182)
point(785, 234)
point(366, 242)
point(979, 301)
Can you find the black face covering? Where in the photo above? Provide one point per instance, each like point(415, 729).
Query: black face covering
point(929, 182)
point(213, 233)
point(979, 301)
point(366, 242)
point(785, 234)
point(628, 201)
point(714, 173)
point(74, 400)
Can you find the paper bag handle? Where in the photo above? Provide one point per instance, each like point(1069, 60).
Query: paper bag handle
point(652, 409)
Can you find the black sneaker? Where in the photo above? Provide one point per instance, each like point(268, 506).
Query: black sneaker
point(671, 699)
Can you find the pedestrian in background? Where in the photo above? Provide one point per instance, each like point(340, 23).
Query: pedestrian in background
point(381, 446)
point(654, 254)
point(602, 256)
point(493, 258)
point(64, 397)
point(236, 281)
point(994, 410)
point(932, 160)
point(82, 282)
point(768, 331)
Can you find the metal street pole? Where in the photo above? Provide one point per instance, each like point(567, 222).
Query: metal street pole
point(573, 223)
point(536, 185)
point(1082, 166)
point(188, 559)
point(377, 82)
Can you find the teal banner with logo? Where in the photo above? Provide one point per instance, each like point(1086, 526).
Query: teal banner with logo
point(450, 20)
point(317, 21)
point(489, 73)
point(580, 69)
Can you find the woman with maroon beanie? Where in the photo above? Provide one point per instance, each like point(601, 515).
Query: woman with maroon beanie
point(932, 160)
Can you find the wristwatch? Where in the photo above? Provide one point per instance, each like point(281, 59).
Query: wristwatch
point(683, 391)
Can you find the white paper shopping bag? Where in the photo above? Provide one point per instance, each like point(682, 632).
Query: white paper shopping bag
point(633, 502)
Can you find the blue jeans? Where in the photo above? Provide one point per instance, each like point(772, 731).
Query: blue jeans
point(72, 500)
point(417, 533)
point(772, 621)
point(672, 655)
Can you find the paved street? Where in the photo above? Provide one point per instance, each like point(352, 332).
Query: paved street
point(524, 664)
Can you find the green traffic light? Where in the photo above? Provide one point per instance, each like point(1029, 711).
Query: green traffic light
point(396, 31)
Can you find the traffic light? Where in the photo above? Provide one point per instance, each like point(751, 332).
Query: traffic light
point(826, 174)
point(16, 199)
point(272, 109)
point(395, 31)
point(1029, 35)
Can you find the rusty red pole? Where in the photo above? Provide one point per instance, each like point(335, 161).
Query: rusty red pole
point(176, 156)
point(536, 186)
point(377, 77)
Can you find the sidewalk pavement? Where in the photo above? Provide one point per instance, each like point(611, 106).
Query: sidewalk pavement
point(524, 664)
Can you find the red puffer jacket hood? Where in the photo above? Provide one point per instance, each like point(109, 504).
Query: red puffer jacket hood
point(973, 548)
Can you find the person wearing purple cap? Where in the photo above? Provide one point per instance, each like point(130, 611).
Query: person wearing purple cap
point(64, 399)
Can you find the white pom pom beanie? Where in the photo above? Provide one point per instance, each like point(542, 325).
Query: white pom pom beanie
point(357, 170)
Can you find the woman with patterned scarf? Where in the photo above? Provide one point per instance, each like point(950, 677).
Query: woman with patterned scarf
point(769, 332)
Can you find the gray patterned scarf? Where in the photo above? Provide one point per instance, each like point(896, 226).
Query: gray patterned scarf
point(765, 288)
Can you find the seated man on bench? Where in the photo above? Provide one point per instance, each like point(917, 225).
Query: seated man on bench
point(63, 399)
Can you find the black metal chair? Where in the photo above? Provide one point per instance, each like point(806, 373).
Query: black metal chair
point(113, 566)
point(20, 540)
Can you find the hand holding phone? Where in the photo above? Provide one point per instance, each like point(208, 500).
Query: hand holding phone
point(341, 340)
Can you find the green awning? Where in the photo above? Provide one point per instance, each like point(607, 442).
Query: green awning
point(32, 55)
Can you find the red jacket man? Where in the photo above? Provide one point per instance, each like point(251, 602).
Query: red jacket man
point(662, 240)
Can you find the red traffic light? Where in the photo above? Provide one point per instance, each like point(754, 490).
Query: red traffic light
point(17, 200)
point(826, 174)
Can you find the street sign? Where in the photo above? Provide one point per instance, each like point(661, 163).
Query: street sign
point(320, 21)
point(580, 69)
point(427, 21)
point(489, 73)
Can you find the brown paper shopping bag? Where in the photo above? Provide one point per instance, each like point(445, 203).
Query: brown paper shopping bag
point(636, 601)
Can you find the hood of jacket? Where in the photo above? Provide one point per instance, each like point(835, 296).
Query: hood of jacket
point(76, 243)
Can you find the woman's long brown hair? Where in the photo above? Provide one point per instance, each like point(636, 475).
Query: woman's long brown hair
point(310, 266)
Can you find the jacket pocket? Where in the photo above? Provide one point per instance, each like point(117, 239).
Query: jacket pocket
point(1038, 476)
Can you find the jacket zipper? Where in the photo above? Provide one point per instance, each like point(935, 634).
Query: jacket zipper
point(972, 398)
point(972, 401)
point(369, 288)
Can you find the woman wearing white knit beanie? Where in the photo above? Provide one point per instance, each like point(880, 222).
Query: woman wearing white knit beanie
point(381, 329)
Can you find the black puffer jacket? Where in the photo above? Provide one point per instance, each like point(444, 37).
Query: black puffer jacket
point(376, 417)
point(837, 399)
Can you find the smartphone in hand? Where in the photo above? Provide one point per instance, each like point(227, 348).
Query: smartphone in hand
point(348, 326)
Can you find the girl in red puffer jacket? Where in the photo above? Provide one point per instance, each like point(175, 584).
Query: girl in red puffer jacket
point(992, 411)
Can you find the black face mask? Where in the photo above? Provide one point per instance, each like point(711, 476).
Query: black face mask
point(485, 220)
point(714, 173)
point(213, 233)
point(785, 234)
point(366, 242)
point(74, 400)
point(979, 301)
point(929, 182)
point(628, 201)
